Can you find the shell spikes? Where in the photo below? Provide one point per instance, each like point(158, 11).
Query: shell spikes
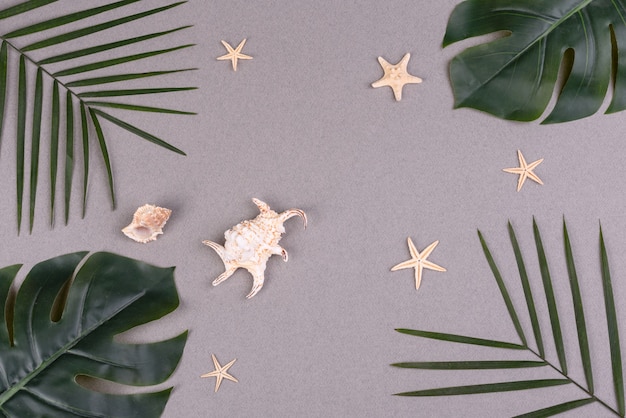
point(251, 243)
point(288, 214)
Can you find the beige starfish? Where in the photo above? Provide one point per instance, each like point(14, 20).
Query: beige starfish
point(396, 76)
point(524, 170)
point(418, 261)
point(234, 54)
point(220, 373)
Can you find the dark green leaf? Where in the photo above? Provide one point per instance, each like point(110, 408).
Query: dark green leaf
point(55, 40)
point(137, 108)
point(54, 147)
point(115, 61)
point(121, 77)
point(551, 301)
point(34, 146)
point(611, 319)
point(460, 339)
point(72, 27)
point(3, 82)
point(503, 291)
point(487, 388)
point(104, 47)
point(579, 313)
point(63, 20)
point(23, 7)
point(7, 275)
point(137, 131)
point(530, 303)
point(21, 139)
point(39, 371)
point(132, 92)
point(69, 152)
point(85, 135)
point(514, 76)
point(469, 365)
point(557, 409)
point(105, 154)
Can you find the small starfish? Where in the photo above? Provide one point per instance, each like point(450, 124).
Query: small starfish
point(524, 170)
point(418, 261)
point(234, 54)
point(396, 76)
point(220, 372)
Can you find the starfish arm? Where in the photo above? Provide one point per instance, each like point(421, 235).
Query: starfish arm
point(412, 249)
point(424, 254)
point(522, 161)
point(432, 266)
point(225, 57)
point(418, 276)
point(405, 265)
point(229, 377)
point(515, 170)
point(380, 83)
point(234, 62)
point(215, 362)
point(228, 47)
point(534, 177)
point(384, 64)
point(218, 382)
point(404, 61)
point(411, 79)
point(397, 92)
point(244, 57)
point(534, 164)
point(227, 366)
point(521, 180)
point(240, 46)
point(211, 374)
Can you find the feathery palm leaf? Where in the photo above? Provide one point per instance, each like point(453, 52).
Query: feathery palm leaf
point(91, 114)
point(539, 359)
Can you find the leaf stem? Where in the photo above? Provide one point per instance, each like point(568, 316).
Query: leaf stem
point(591, 395)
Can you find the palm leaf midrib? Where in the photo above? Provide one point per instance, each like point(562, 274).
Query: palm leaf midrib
point(574, 382)
point(62, 84)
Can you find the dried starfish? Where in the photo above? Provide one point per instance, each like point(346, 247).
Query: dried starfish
point(418, 261)
point(396, 76)
point(220, 372)
point(524, 170)
point(250, 244)
point(234, 54)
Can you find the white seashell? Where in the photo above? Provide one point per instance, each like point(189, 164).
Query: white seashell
point(250, 244)
point(148, 222)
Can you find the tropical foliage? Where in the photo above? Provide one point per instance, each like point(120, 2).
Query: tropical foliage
point(514, 76)
point(62, 324)
point(86, 98)
point(538, 354)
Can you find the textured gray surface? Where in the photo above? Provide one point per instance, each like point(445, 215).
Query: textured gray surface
point(299, 126)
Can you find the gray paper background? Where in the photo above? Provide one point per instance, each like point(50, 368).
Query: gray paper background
point(300, 126)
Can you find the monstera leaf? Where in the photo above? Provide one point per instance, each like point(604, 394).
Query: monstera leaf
point(535, 356)
point(514, 76)
point(42, 352)
point(77, 100)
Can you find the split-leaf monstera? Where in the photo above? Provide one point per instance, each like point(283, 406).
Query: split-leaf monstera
point(514, 76)
point(41, 354)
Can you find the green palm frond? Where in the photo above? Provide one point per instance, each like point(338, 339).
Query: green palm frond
point(91, 111)
point(538, 356)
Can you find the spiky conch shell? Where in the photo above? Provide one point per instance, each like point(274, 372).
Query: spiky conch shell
point(148, 222)
point(250, 243)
